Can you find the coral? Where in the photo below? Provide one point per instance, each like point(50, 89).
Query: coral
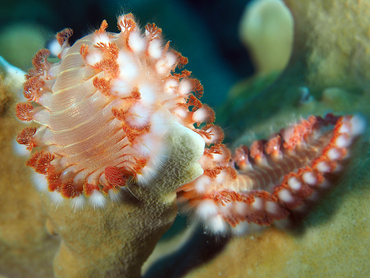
point(137, 188)
point(25, 246)
point(13, 46)
point(333, 36)
point(266, 28)
point(12, 78)
point(324, 55)
point(115, 241)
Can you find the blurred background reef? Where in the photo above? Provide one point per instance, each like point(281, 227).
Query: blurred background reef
point(303, 58)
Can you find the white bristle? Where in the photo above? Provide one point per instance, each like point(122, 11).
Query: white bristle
point(323, 167)
point(216, 224)
point(309, 178)
point(101, 38)
point(285, 196)
point(343, 141)
point(345, 127)
point(219, 157)
point(358, 125)
point(241, 229)
point(170, 86)
point(155, 49)
point(93, 58)
point(222, 177)
point(240, 208)
point(121, 20)
point(184, 87)
point(202, 183)
point(271, 207)
point(78, 202)
point(206, 209)
point(165, 64)
point(334, 154)
point(148, 94)
point(120, 88)
point(287, 133)
point(40, 182)
point(146, 144)
point(160, 122)
point(215, 135)
point(201, 115)
point(127, 66)
point(154, 165)
point(294, 183)
point(180, 112)
point(56, 197)
point(257, 204)
point(136, 42)
point(19, 149)
point(205, 161)
point(97, 199)
point(226, 209)
point(148, 173)
point(139, 116)
point(54, 47)
point(114, 195)
point(158, 154)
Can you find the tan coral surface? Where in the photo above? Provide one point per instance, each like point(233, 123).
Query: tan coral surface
point(333, 241)
point(105, 242)
point(330, 51)
point(25, 247)
point(334, 37)
point(116, 241)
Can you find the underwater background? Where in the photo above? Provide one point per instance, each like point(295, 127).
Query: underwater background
point(328, 71)
point(205, 32)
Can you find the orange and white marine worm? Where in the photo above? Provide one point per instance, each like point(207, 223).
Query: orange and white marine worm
point(266, 182)
point(105, 107)
point(104, 111)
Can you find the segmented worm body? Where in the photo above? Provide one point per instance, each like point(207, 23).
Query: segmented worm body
point(105, 108)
